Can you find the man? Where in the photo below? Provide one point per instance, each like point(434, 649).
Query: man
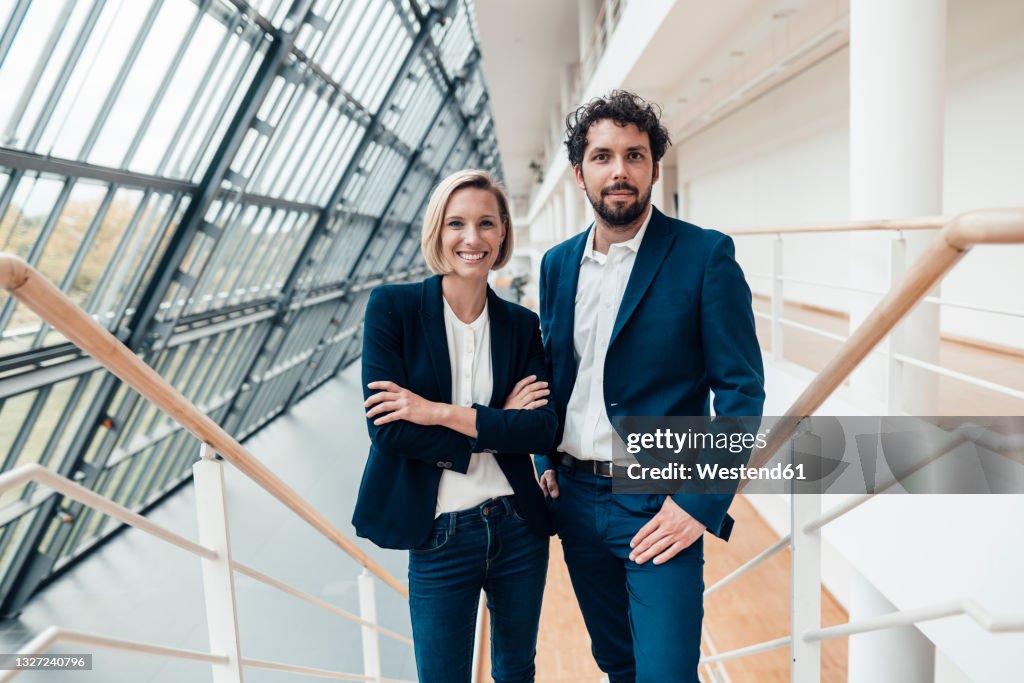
point(642, 315)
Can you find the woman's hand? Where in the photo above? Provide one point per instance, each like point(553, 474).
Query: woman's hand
point(400, 404)
point(527, 394)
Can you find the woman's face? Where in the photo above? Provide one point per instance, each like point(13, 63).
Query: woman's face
point(472, 232)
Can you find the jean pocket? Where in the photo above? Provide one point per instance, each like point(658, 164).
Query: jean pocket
point(438, 539)
point(516, 514)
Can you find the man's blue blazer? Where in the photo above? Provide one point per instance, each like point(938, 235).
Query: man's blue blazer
point(685, 328)
point(404, 341)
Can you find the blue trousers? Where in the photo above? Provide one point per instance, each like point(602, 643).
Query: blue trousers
point(488, 547)
point(644, 620)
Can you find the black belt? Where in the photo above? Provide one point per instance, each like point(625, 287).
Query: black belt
point(601, 468)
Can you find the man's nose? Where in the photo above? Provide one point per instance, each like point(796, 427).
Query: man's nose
point(619, 169)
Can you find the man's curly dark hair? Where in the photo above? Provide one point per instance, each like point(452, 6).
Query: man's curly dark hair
point(624, 108)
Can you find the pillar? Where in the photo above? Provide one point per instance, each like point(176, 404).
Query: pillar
point(897, 101)
point(895, 654)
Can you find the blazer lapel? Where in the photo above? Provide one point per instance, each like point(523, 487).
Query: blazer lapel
point(649, 258)
point(432, 315)
point(565, 304)
point(501, 351)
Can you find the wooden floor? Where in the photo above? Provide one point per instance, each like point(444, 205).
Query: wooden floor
point(756, 607)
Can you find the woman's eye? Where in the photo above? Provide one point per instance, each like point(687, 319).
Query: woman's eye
point(454, 224)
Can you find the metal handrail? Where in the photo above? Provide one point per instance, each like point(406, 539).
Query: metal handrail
point(54, 635)
point(37, 473)
point(52, 305)
point(957, 236)
point(33, 472)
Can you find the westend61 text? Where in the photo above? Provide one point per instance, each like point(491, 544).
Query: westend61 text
point(713, 471)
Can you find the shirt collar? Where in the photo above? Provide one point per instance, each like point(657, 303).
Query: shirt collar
point(632, 244)
point(475, 325)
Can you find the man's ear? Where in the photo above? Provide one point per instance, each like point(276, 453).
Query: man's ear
point(577, 171)
point(657, 172)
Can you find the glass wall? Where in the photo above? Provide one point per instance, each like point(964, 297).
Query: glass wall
point(219, 183)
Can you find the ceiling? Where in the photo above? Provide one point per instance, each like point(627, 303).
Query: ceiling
point(701, 61)
point(526, 46)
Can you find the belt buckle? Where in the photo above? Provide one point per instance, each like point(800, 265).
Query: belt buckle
point(602, 468)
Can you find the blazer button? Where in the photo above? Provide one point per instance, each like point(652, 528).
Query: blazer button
point(441, 463)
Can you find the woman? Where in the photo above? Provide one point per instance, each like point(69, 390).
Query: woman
point(455, 398)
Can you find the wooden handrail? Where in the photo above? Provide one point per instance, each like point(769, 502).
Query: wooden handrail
point(986, 226)
point(39, 294)
point(924, 223)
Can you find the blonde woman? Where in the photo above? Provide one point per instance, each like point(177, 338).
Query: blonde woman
point(455, 391)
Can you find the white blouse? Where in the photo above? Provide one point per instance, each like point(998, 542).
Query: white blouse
point(469, 353)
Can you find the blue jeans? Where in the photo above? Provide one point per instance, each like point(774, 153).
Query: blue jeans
point(644, 620)
point(488, 547)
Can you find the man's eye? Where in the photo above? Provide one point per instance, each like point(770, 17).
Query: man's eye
point(600, 157)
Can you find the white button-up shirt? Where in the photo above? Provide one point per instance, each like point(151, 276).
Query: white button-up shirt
point(603, 277)
point(469, 353)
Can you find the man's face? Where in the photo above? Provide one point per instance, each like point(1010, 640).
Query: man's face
point(617, 172)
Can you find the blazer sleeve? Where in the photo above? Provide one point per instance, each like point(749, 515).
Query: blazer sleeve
point(732, 355)
point(383, 339)
point(542, 459)
point(518, 431)
point(733, 364)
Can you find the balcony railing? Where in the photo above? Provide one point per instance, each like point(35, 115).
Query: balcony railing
point(214, 546)
point(954, 239)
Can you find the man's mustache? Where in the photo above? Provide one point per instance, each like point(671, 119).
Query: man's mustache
point(619, 187)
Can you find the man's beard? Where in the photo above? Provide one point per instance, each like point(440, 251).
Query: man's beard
point(624, 214)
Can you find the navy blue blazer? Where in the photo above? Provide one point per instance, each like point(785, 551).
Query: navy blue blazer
point(685, 328)
point(404, 341)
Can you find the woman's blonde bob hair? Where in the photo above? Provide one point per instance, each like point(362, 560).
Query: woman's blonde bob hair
point(433, 220)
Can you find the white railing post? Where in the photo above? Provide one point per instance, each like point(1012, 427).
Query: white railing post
point(894, 346)
point(778, 306)
point(805, 569)
point(218, 576)
point(371, 638)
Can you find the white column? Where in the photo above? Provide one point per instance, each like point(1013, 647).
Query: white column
point(587, 16)
point(897, 100)
point(894, 654)
point(571, 202)
point(669, 181)
point(557, 215)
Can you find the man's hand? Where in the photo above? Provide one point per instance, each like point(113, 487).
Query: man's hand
point(527, 394)
point(668, 533)
point(400, 404)
point(549, 483)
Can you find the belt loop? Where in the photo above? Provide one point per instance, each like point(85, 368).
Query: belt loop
point(509, 507)
point(451, 522)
